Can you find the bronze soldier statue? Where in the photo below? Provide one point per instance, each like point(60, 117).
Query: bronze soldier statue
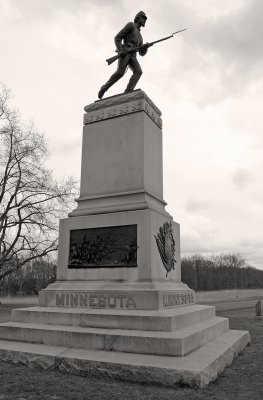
point(132, 38)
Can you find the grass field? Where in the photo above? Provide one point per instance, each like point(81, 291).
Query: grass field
point(228, 295)
point(24, 300)
point(243, 380)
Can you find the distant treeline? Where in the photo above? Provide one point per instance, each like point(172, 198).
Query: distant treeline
point(29, 279)
point(225, 271)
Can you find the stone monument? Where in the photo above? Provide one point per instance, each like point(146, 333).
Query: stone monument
point(118, 307)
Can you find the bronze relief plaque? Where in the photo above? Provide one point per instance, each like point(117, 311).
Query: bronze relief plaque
point(113, 246)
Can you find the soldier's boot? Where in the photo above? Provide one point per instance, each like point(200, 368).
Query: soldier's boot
point(101, 92)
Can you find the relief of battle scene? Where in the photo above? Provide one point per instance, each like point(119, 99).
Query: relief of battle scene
point(114, 246)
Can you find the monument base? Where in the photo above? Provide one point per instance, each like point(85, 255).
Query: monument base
point(134, 355)
point(117, 295)
point(179, 345)
point(119, 308)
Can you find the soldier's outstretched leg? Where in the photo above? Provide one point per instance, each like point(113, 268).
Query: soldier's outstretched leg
point(122, 65)
point(137, 73)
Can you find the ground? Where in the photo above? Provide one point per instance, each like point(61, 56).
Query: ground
point(243, 380)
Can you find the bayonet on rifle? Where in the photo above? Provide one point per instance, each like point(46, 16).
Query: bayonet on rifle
point(135, 49)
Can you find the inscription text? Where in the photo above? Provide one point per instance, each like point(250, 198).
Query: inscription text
point(95, 300)
point(175, 300)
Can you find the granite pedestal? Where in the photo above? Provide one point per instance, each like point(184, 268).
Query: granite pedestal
point(118, 307)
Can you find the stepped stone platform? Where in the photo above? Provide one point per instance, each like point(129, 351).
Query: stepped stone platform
point(185, 345)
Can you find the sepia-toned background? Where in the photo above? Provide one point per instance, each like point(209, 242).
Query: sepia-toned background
point(207, 81)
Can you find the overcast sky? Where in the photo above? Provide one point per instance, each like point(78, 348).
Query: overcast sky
point(207, 81)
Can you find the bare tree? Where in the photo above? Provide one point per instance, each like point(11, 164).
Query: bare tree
point(31, 200)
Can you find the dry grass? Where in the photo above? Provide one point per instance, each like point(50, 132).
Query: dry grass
point(242, 381)
point(228, 295)
point(24, 300)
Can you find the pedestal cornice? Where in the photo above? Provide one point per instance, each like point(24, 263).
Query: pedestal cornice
point(122, 104)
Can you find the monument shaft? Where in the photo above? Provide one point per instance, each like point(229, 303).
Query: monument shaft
point(110, 240)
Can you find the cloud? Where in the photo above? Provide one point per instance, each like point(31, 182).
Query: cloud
point(219, 57)
point(237, 37)
point(45, 9)
point(68, 147)
point(208, 242)
point(241, 178)
point(199, 240)
point(196, 205)
point(232, 45)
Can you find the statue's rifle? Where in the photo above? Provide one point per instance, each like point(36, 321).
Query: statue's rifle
point(135, 49)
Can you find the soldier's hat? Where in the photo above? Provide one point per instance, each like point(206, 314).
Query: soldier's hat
point(140, 14)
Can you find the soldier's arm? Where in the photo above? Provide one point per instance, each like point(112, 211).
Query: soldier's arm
point(144, 49)
point(123, 34)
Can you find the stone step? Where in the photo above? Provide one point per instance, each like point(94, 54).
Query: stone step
point(196, 369)
point(163, 320)
point(176, 343)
